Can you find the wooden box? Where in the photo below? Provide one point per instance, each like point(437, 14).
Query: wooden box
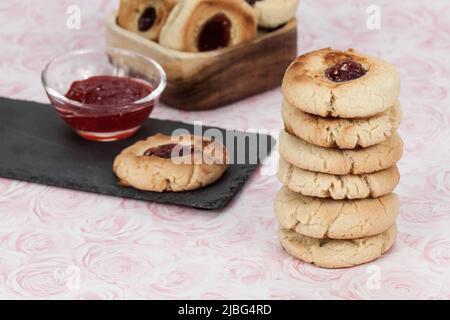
point(207, 80)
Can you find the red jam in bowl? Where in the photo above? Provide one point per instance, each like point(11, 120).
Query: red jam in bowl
point(109, 110)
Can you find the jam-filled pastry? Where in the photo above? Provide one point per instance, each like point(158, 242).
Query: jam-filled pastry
point(171, 163)
point(274, 13)
point(204, 25)
point(145, 17)
point(342, 84)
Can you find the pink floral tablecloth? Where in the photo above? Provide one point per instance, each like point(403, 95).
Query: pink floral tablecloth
point(57, 243)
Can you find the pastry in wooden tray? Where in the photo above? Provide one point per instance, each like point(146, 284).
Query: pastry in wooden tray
point(212, 50)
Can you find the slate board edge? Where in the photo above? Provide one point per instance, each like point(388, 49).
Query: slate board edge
point(211, 205)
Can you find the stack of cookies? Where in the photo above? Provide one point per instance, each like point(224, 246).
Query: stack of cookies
point(338, 156)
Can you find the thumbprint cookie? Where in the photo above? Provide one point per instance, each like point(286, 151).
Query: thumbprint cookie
point(171, 163)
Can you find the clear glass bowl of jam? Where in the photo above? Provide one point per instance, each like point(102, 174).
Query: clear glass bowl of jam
point(104, 95)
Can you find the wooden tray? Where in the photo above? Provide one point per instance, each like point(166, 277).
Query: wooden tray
point(207, 80)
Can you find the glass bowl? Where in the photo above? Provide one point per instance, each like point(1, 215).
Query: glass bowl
point(96, 122)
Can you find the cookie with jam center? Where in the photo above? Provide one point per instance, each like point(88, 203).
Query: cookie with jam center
point(145, 17)
point(341, 84)
point(171, 163)
point(205, 25)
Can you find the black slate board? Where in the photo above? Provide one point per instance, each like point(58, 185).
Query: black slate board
point(37, 146)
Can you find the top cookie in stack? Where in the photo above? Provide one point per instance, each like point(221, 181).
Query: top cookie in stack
point(322, 83)
point(341, 112)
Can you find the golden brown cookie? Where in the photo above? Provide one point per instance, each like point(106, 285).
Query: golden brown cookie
point(340, 162)
point(345, 84)
point(165, 163)
point(335, 219)
point(145, 17)
point(204, 25)
point(338, 132)
point(330, 253)
point(324, 185)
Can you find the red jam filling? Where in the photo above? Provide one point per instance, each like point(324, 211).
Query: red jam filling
point(215, 34)
point(108, 90)
point(165, 151)
point(106, 93)
point(345, 71)
point(147, 19)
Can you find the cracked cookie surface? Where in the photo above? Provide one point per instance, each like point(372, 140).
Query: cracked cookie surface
point(340, 162)
point(338, 187)
point(339, 132)
point(306, 86)
point(146, 168)
point(335, 219)
point(326, 253)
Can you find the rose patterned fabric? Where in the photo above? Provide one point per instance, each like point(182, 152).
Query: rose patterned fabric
point(57, 243)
